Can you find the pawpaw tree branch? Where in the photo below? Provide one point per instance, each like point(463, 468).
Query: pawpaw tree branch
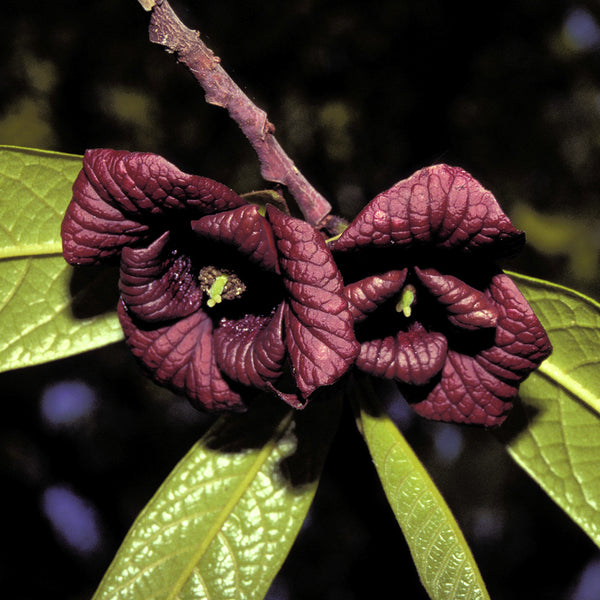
point(168, 30)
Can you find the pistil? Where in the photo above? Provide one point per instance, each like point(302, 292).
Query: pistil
point(219, 285)
point(408, 297)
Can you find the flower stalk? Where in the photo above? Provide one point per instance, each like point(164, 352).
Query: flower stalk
point(168, 30)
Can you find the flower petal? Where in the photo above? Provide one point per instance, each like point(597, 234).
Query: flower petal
point(467, 307)
point(245, 228)
point(413, 357)
point(319, 332)
point(251, 350)
point(480, 389)
point(146, 184)
point(466, 393)
point(439, 206)
point(521, 341)
point(157, 282)
point(92, 231)
point(366, 295)
point(181, 357)
point(119, 195)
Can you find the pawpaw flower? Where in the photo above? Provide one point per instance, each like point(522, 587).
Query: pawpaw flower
point(432, 309)
point(215, 296)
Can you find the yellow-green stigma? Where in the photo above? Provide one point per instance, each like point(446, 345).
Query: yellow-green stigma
point(219, 285)
point(407, 299)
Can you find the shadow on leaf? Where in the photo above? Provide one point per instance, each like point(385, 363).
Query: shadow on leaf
point(94, 291)
point(268, 420)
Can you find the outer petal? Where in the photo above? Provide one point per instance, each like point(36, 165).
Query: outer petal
point(245, 228)
point(466, 393)
point(480, 389)
point(439, 206)
point(181, 357)
point(148, 185)
point(414, 357)
point(157, 282)
point(366, 295)
point(318, 324)
point(93, 231)
point(119, 196)
point(467, 307)
point(521, 341)
point(251, 350)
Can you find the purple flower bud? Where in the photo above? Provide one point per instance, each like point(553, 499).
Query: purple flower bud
point(432, 310)
point(214, 296)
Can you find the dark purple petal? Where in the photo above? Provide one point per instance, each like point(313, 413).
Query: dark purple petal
point(413, 357)
point(157, 282)
point(118, 195)
point(466, 393)
point(245, 228)
point(467, 307)
point(251, 350)
point(145, 184)
point(480, 390)
point(366, 295)
point(319, 333)
point(439, 206)
point(92, 231)
point(521, 341)
point(181, 357)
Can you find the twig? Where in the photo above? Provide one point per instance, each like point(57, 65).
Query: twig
point(167, 30)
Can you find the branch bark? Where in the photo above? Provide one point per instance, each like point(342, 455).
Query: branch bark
point(167, 30)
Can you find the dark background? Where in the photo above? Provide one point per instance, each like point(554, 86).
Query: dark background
point(362, 94)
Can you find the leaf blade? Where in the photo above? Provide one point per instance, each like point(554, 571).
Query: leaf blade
point(222, 523)
point(440, 552)
point(36, 284)
point(557, 441)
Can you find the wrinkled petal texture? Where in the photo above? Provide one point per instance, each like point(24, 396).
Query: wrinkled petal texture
point(251, 350)
point(364, 296)
point(244, 228)
point(181, 357)
point(319, 334)
point(157, 282)
point(467, 307)
point(414, 357)
point(439, 207)
point(480, 389)
point(118, 196)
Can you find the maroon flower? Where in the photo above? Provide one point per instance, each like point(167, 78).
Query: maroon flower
point(213, 293)
point(432, 310)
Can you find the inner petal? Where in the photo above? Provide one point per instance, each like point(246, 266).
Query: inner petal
point(246, 229)
point(467, 307)
point(366, 295)
point(414, 357)
point(157, 282)
point(251, 350)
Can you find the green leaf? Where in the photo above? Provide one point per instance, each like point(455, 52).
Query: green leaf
point(556, 437)
point(48, 309)
point(222, 523)
point(443, 559)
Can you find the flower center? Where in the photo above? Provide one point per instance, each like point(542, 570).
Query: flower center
point(219, 285)
point(408, 298)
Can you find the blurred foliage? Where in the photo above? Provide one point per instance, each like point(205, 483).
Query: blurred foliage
point(362, 94)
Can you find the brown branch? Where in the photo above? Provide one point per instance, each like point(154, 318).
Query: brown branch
point(167, 30)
